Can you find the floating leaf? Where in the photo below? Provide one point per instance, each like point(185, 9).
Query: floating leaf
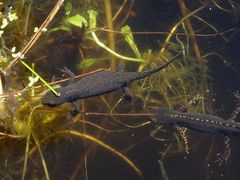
point(77, 20)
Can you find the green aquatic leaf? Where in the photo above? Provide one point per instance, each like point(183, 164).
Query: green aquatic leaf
point(32, 80)
point(68, 8)
point(128, 36)
point(87, 63)
point(92, 19)
point(92, 25)
point(63, 28)
point(146, 55)
point(163, 170)
point(77, 20)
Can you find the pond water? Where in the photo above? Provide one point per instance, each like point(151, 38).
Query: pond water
point(111, 138)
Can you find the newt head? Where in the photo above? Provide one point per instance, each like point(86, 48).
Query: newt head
point(50, 99)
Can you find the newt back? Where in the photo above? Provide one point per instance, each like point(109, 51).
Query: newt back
point(196, 121)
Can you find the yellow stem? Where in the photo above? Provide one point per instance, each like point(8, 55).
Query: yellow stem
point(110, 36)
point(190, 28)
point(102, 144)
point(172, 32)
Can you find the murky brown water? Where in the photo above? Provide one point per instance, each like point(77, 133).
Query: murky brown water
point(94, 145)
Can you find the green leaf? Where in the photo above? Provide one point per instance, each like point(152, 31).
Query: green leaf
point(128, 36)
point(32, 80)
point(68, 8)
point(63, 28)
point(77, 20)
point(87, 63)
point(146, 55)
point(92, 19)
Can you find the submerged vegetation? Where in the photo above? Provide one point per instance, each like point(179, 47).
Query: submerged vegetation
point(39, 38)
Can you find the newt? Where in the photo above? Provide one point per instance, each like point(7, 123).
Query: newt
point(98, 84)
point(197, 121)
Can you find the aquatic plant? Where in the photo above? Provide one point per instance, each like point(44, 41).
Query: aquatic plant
point(35, 131)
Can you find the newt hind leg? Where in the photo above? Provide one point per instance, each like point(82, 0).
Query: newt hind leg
point(75, 110)
point(127, 94)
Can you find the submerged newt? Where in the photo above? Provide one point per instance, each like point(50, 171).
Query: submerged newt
point(97, 84)
point(196, 121)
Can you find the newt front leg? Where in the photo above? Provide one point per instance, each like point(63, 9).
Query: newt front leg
point(75, 110)
point(69, 73)
point(127, 94)
point(75, 106)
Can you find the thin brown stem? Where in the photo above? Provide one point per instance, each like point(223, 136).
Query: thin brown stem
point(190, 28)
point(37, 34)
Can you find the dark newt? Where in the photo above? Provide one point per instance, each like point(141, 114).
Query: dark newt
point(97, 84)
point(196, 121)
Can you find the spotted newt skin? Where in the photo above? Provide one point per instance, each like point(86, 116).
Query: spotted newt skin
point(97, 84)
point(196, 121)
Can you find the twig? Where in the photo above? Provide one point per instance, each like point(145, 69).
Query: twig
point(173, 33)
point(118, 114)
point(19, 92)
point(36, 35)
